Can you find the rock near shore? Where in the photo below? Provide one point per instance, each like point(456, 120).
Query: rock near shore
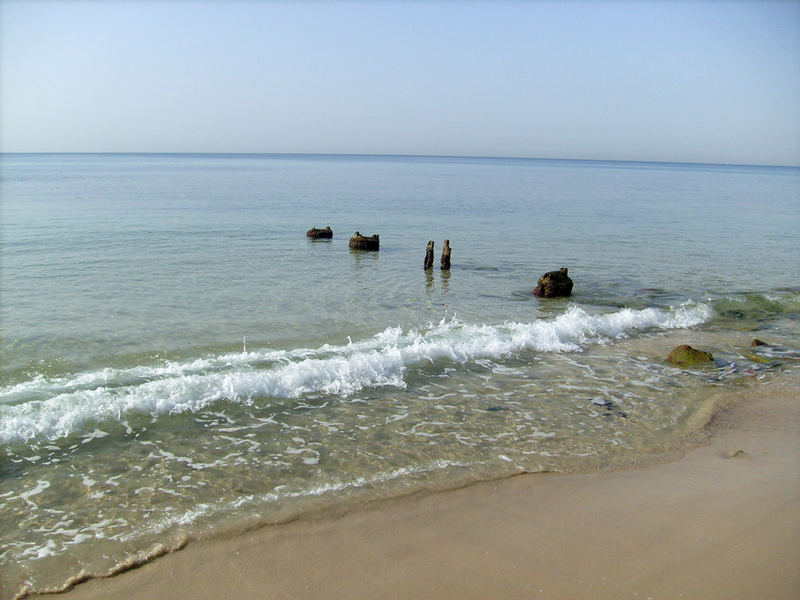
point(554, 284)
point(686, 356)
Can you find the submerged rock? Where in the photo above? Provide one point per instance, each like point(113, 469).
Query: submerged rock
point(554, 284)
point(362, 242)
point(446, 256)
point(315, 233)
point(686, 356)
point(757, 359)
point(429, 256)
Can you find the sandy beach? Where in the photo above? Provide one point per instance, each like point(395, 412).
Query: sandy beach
point(722, 522)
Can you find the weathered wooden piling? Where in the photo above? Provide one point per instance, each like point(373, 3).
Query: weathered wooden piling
point(445, 255)
point(362, 242)
point(429, 256)
point(316, 234)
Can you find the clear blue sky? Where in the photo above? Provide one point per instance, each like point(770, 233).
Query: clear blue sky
point(675, 81)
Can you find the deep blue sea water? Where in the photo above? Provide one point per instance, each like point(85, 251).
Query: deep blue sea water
point(178, 359)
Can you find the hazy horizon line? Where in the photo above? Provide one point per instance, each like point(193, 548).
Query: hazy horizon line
point(391, 155)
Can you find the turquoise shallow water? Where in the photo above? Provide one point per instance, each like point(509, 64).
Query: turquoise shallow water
point(178, 359)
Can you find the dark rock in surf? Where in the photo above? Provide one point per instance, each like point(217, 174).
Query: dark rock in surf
point(429, 256)
point(362, 242)
point(758, 342)
point(554, 284)
point(446, 256)
point(319, 234)
point(686, 356)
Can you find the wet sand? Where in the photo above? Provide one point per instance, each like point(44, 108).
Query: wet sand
point(722, 522)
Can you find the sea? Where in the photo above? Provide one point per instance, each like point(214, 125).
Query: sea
point(179, 361)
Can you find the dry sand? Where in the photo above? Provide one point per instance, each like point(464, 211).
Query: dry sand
point(722, 522)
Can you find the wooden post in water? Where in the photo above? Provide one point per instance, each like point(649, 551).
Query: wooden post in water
point(362, 242)
point(445, 255)
point(320, 234)
point(429, 256)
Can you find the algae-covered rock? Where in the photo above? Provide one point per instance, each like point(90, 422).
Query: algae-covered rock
point(757, 359)
point(686, 356)
point(554, 284)
point(758, 342)
point(362, 242)
point(316, 234)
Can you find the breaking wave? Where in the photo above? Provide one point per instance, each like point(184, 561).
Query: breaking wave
point(52, 408)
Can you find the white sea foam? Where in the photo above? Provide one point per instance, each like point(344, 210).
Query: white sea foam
point(47, 409)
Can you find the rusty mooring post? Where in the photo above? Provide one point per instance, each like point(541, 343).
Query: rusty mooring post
point(445, 255)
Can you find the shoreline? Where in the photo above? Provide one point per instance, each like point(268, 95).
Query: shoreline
point(723, 521)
